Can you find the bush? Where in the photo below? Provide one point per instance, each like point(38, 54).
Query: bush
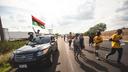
point(7, 46)
point(6, 49)
point(4, 65)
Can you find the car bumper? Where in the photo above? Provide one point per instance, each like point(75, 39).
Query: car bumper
point(39, 62)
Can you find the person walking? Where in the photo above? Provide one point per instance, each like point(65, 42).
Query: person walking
point(116, 45)
point(76, 45)
point(91, 37)
point(97, 40)
point(81, 41)
point(64, 37)
point(70, 39)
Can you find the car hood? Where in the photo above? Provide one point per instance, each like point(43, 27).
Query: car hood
point(31, 49)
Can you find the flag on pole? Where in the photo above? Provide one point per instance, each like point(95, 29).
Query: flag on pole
point(37, 22)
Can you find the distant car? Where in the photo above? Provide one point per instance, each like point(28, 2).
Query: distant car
point(36, 53)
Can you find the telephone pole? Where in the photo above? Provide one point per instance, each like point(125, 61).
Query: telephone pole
point(1, 31)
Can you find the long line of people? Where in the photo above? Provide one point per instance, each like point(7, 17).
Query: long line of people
point(78, 43)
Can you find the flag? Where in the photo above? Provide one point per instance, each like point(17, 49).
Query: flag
point(38, 22)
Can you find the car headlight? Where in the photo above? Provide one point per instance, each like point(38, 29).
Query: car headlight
point(42, 52)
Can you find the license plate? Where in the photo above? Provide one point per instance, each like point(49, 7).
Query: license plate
point(23, 66)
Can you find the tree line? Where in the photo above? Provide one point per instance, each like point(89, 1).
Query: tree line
point(98, 27)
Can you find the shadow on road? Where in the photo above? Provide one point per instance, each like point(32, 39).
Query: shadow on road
point(83, 66)
point(90, 51)
point(44, 68)
point(101, 48)
point(91, 63)
point(122, 67)
point(96, 65)
point(105, 48)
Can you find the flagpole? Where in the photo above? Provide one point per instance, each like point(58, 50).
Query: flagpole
point(34, 30)
point(33, 27)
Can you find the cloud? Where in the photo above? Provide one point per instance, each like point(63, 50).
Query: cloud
point(65, 14)
point(121, 18)
point(78, 21)
point(124, 6)
point(8, 10)
point(14, 18)
point(84, 11)
point(125, 18)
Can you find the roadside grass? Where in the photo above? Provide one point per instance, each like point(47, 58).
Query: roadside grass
point(6, 49)
point(4, 62)
point(7, 46)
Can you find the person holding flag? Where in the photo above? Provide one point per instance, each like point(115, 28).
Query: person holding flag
point(37, 22)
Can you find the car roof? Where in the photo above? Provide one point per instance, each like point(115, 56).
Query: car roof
point(48, 35)
point(44, 36)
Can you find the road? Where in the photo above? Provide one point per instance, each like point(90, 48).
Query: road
point(64, 60)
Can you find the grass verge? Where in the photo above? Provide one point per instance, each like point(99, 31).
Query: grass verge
point(6, 49)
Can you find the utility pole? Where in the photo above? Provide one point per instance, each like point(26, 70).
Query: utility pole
point(1, 31)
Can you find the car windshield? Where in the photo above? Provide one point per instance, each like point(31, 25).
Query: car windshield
point(41, 40)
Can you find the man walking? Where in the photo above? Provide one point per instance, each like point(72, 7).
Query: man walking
point(81, 41)
point(76, 45)
point(64, 37)
point(97, 40)
point(91, 37)
point(70, 37)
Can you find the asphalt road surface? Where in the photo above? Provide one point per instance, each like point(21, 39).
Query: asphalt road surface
point(64, 60)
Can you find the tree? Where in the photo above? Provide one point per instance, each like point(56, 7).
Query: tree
point(98, 27)
point(85, 33)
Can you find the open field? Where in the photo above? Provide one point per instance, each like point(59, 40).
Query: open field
point(107, 34)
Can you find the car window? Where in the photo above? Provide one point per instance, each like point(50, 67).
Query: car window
point(41, 40)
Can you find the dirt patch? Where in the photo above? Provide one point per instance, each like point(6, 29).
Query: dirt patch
point(107, 34)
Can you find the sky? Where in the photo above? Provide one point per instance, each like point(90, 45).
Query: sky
point(63, 16)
